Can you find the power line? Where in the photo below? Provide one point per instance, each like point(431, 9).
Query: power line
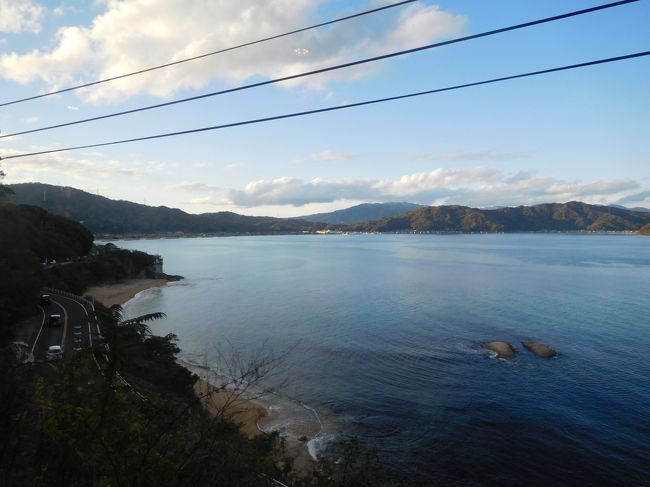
point(325, 70)
point(213, 53)
point(338, 107)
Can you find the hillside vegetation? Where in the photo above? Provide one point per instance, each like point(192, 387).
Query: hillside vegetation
point(30, 235)
point(105, 216)
point(70, 424)
point(645, 230)
point(559, 217)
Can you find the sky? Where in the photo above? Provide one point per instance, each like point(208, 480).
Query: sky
point(575, 135)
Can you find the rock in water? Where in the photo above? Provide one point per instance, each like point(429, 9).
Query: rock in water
point(539, 349)
point(502, 349)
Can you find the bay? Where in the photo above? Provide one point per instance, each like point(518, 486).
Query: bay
point(388, 333)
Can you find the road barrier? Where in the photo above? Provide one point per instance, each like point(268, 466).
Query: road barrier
point(89, 304)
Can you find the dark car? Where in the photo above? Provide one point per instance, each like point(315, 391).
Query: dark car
point(55, 320)
point(45, 299)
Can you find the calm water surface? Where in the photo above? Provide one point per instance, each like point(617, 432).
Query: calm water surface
point(390, 331)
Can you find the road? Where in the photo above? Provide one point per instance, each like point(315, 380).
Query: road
point(75, 332)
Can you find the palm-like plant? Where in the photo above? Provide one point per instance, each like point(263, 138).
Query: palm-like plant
point(120, 334)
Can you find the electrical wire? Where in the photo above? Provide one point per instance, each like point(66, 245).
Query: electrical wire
point(213, 53)
point(327, 69)
point(338, 107)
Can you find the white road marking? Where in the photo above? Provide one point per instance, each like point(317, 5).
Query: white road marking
point(39, 330)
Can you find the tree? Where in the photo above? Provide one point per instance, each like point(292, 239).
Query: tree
point(121, 334)
point(4, 190)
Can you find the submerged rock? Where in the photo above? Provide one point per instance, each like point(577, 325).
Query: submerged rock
point(539, 349)
point(502, 349)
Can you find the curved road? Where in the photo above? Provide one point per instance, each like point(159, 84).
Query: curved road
point(77, 330)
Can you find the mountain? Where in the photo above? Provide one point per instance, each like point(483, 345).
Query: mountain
point(561, 217)
point(636, 208)
point(362, 213)
point(105, 216)
point(645, 230)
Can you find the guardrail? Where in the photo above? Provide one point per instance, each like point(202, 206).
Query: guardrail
point(87, 303)
point(70, 295)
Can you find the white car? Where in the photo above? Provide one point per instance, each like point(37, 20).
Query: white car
point(55, 352)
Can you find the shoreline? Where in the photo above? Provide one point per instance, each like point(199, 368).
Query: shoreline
point(249, 412)
point(257, 414)
point(174, 236)
point(122, 292)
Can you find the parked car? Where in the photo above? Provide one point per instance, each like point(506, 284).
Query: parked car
point(55, 352)
point(54, 320)
point(45, 299)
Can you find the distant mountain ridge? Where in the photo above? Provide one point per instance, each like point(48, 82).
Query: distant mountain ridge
point(105, 216)
point(560, 217)
point(636, 208)
point(361, 213)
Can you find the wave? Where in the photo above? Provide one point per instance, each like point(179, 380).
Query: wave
point(291, 418)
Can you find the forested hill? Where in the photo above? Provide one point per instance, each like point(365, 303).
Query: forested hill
point(29, 236)
point(362, 213)
point(105, 216)
point(561, 217)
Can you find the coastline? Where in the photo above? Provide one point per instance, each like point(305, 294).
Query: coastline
point(230, 405)
point(120, 293)
point(256, 415)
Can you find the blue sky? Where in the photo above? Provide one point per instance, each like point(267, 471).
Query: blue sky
point(583, 134)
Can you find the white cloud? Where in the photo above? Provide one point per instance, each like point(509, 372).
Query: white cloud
point(475, 186)
point(62, 165)
point(64, 9)
point(195, 187)
point(20, 15)
point(478, 155)
point(132, 34)
point(72, 108)
point(31, 120)
point(327, 156)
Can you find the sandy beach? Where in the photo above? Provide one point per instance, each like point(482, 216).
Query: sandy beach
point(251, 413)
point(120, 293)
point(227, 403)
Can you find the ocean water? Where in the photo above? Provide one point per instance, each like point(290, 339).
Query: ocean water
point(385, 333)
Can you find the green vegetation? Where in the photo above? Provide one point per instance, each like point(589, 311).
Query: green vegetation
point(105, 216)
point(73, 425)
point(558, 217)
point(4, 190)
point(29, 236)
point(645, 230)
point(109, 264)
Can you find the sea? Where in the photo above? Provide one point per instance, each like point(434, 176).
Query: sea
point(380, 338)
